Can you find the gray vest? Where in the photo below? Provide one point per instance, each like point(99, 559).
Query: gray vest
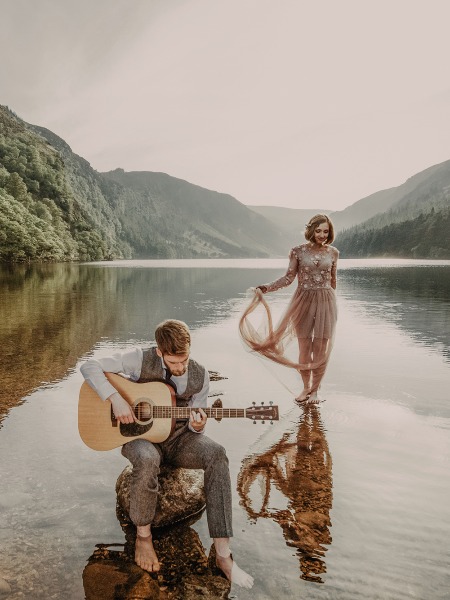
point(152, 370)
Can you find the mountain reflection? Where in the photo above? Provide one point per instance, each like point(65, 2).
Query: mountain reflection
point(300, 467)
point(48, 317)
point(414, 298)
point(51, 315)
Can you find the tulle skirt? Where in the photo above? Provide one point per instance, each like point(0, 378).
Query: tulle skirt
point(310, 317)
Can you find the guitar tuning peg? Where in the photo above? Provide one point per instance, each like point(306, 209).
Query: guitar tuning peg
point(263, 422)
point(254, 422)
point(254, 403)
point(262, 403)
point(271, 403)
point(271, 422)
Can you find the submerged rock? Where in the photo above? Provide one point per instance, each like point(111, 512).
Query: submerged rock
point(181, 496)
point(108, 577)
point(186, 573)
point(5, 588)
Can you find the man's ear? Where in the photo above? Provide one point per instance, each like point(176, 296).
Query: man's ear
point(158, 352)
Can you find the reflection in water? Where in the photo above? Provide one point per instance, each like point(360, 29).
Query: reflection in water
point(51, 315)
point(415, 299)
point(299, 466)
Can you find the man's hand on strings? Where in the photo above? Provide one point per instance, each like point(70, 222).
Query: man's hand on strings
point(198, 419)
point(121, 409)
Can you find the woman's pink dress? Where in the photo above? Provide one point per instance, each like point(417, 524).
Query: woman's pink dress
point(311, 313)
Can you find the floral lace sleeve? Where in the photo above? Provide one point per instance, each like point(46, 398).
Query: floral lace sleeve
point(288, 278)
point(334, 268)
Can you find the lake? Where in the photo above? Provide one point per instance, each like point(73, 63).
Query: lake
point(346, 500)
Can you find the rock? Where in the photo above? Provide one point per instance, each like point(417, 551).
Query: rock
point(181, 496)
point(186, 572)
point(196, 587)
point(110, 579)
point(5, 588)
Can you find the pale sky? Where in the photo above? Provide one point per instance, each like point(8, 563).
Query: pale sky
point(295, 103)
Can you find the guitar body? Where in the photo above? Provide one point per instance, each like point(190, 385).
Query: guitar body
point(100, 430)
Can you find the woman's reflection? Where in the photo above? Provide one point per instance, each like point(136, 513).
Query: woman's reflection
point(299, 466)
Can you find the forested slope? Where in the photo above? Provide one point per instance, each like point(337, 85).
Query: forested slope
point(42, 214)
point(426, 236)
point(55, 207)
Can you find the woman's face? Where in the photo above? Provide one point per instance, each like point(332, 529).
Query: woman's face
point(321, 233)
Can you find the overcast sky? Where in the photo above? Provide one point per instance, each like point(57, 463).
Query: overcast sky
point(304, 104)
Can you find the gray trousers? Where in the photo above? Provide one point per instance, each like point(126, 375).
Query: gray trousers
point(190, 451)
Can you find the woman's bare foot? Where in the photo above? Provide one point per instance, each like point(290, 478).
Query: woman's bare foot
point(145, 555)
point(303, 396)
point(314, 398)
point(234, 573)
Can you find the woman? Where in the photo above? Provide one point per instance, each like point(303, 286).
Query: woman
point(311, 314)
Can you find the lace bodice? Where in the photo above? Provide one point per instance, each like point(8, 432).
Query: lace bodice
point(314, 267)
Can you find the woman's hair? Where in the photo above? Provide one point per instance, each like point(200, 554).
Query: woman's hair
point(173, 337)
point(317, 220)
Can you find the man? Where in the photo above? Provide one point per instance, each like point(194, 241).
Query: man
point(186, 447)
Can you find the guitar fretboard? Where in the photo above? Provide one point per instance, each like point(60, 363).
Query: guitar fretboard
point(176, 412)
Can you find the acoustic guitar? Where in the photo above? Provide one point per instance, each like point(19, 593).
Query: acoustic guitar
point(156, 413)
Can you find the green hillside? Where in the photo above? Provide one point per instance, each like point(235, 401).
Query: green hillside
point(43, 216)
point(177, 218)
point(55, 207)
point(426, 236)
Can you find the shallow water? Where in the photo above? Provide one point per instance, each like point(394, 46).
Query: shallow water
point(347, 500)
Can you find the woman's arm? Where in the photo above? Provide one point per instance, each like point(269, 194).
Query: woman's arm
point(286, 279)
point(334, 268)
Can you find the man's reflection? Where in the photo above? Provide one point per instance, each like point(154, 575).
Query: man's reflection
point(299, 466)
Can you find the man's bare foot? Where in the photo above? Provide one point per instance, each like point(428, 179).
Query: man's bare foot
point(145, 555)
point(234, 573)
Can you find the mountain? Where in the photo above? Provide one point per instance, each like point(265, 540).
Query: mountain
point(414, 226)
point(420, 191)
point(405, 221)
point(178, 219)
point(55, 206)
point(289, 221)
point(426, 236)
point(51, 207)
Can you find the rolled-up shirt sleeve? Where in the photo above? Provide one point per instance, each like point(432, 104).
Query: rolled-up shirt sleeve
point(129, 363)
point(200, 400)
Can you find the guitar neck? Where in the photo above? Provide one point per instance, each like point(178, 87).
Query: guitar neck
point(184, 412)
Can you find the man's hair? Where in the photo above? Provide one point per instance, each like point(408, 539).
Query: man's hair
point(317, 220)
point(173, 337)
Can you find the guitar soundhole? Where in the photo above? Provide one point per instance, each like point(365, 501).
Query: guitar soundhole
point(143, 411)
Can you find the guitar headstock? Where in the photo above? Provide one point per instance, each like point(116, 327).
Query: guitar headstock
point(262, 413)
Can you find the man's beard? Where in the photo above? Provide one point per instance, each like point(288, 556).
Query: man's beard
point(182, 371)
